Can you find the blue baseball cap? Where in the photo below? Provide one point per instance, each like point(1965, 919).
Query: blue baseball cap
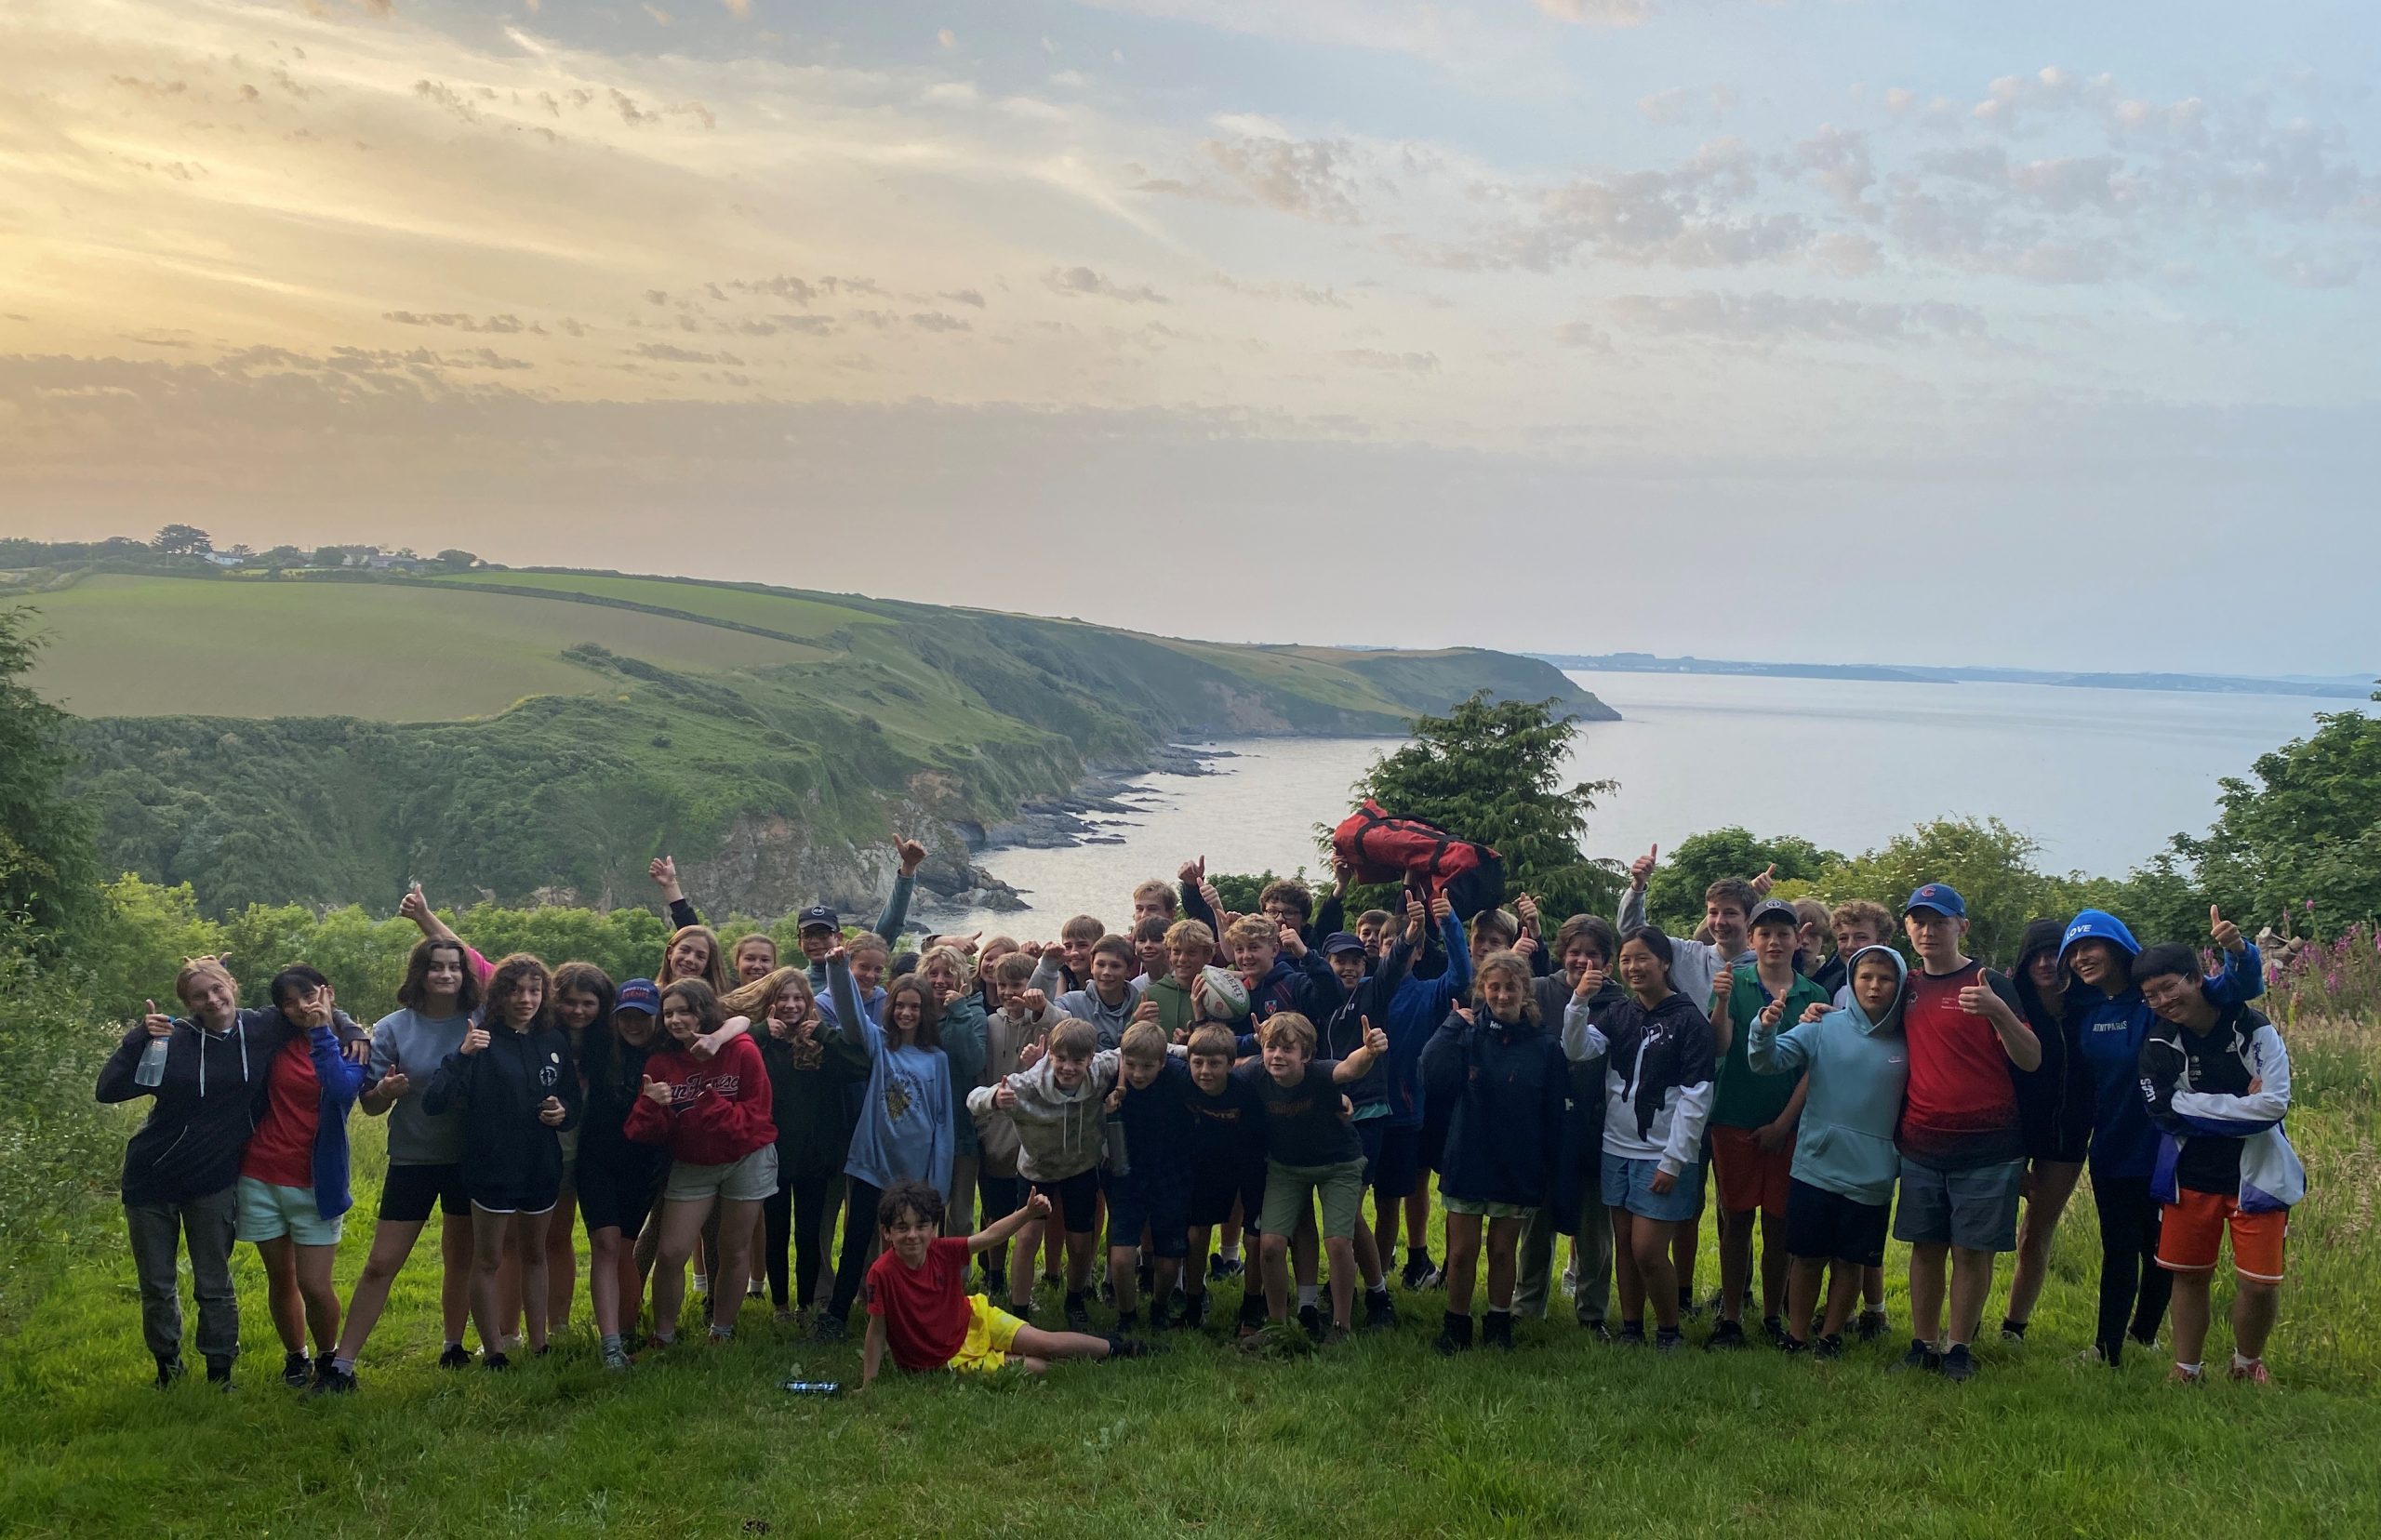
point(639, 994)
point(1941, 897)
point(1340, 941)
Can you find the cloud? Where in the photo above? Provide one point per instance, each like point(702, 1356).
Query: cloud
point(741, 9)
point(1080, 282)
point(660, 17)
point(1308, 177)
point(1395, 362)
point(668, 353)
point(1600, 13)
point(937, 320)
point(948, 38)
point(2313, 269)
point(1664, 109)
point(962, 297)
point(502, 324)
point(1288, 290)
point(1582, 335)
point(1765, 318)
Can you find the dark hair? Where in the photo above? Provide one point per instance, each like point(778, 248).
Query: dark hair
point(415, 988)
point(699, 998)
point(929, 1010)
point(908, 1197)
point(1731, 890)
point(1152, 929)
point(1117, 946)
point(509, 977)
point(1652, 939)
point(1594, 929)
point(587, 978)
point(2165, 958)
point(904, 964)
point(294, 979)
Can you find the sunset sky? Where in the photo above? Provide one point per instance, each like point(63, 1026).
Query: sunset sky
point(2028, 333)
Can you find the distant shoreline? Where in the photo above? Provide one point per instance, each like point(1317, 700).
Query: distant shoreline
point(2343, 688)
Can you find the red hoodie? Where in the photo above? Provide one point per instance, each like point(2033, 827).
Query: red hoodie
point(718, 1113)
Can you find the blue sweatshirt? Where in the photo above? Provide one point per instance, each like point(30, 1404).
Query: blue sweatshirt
point(1414, 1012)
point(341, 1079)
point(904, 1129)
point(1858, 1069)
point(2124, 1142)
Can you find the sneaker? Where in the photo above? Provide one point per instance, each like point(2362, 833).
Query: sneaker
point(1827, 1347)
point(1726, 1334)
point(297, 1370)
point(1496, 1329)
point(1455, 1334)
point(1311, 1320)
point(1871, 1325)
point(616, 1357)
point(494, 1361)
point(1776, 1330)
point(1336, 1335)
point(1633, 1333)
point(1920, 1357)
point(1194, 1313)
point(1603, 1332)
point(654, 1347)
point(2180, 1375)
point(333, 1381)
point(1380, 1311)
point(1128, 1347)
point(831, 1328)
point(1417, 1268)
point(753, 1287)
point(1686, 1305)
point(1668, 1339)
point(1959, 1365)
point(781, 1316)
point(168, 1371)
point(2012, 1331)
point(2253, 1372)
point(457, 1356)
point(1219, 1265)
point(1078, 1314)
point(1790, 1345)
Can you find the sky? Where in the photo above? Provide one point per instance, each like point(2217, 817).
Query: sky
point(2032, 333)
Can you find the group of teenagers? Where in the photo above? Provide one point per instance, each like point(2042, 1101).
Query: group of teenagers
point(1206, 1082)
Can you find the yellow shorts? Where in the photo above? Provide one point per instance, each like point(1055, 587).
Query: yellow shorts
point(988, 1333)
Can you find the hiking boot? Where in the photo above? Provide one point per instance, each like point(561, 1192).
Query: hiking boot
point(1871, 1325)
point(1726, 1334)
point(331, 1380)
point(1311, 1320)
point(1078, 1314)
point(297, 1370)
point(1603, 1332)
point(1455, 1334)
point(1668, 1339)
point(168, 1371)
point(455, 1356)
point(1959, 1365)
point(1633, 1333)
point(2012, 1331)
point(219, 1371)
point(1496, 1329)
point(1194, 1313)
point(1380, 1311)
point(1777, 1331)
point(1921, 1357)
point(1418, 1269)
point(1792, 1346)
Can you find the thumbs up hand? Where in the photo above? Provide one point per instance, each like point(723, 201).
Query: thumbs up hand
point(158, 1024)
point(1642, 866)
point(1761, 884)
point(475, 1041)
point(1774, 1013)
point(1375, 1041)
point(2227, 934)
point(656, 1092)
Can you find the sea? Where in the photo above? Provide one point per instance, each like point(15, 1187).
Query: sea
point(2102, 779)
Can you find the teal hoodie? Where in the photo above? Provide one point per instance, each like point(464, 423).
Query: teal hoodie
point(1858, 1069)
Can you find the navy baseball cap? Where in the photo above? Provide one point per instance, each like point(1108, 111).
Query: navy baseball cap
point(816, 916)
point(638, 994)
point(1775, 908)
point(1940, 896)
point(1340, 941)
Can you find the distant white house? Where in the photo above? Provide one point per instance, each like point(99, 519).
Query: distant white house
point(393, 563)
point(224, 558)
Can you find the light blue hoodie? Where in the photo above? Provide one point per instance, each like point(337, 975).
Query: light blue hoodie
point(1858, 1069)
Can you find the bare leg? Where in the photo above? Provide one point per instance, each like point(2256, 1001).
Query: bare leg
point(735, 1218)
point(1971, 1286)
point(681, 1230)
point(1656, 1243)
point(1627, 1281)
point(487, 1277)
point(1927, 1263)
point(2254, 1308)
point(1306, 1253)
point(1772, 1265)
point(562, 1259)
point(2050, 1185)
point(605, 1249)
point(1020, 1277)
point(1503, 1240)
point(1194, 1265)
point(391, 1243)
point(1735, 1262)
point(1872, 1287)
point(1462, 1269)
point(1342, 1250)
point(1275, 1252)
point(455, 1274)
point(319, 1295)
point(1036, 1345)
point(1842, 1293)
point(280, 1259)
point(1802, 1296)
point(1079, 1250)
point(529, 1244)
point(1685, 1236)
point(1124, 1273)
point(2190, 1307)
point(1368, 1256)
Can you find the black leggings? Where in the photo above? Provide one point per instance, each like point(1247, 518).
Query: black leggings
point(2133, 1288)
point(793, 1215)
point(859, 1237)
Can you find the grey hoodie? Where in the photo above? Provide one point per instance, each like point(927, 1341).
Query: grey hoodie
point(1005, 1039)
point(1060, 1131)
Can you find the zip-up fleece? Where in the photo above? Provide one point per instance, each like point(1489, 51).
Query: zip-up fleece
point(961, 1030)
point(1006, 1036)
point(499, 1091)
point(1060, 1131)
point(1858, 1067)
point(1339, 1036)
point(718, 1112)
point(1507, 1083)
point(2244, 1050)
point(1657, 1076)
point(201, 1116)
point(1416, 1008)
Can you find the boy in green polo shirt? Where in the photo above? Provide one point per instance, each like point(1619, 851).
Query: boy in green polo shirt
point(1753, 1122)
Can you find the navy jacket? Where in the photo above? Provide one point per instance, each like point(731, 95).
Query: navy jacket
point(1507, 1083)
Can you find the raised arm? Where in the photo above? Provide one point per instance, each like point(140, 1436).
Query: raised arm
point(1356, 1066)
point(896, 912)
point(117, 1083)
point(1582, 1038)
point(849, 1024)
point(2242, 977)
point(664, 872)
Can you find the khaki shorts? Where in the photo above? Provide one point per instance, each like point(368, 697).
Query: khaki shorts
point(748, 1180)
point(1289, 1189)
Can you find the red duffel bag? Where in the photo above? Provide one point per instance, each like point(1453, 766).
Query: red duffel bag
point(1384, 849)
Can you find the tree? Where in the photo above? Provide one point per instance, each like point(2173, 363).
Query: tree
point(1675, 893)
point(1493, 772)
point(1990, 864)
point(457, 560)
point(284, 556)
point(181, 539)
point(2307, 832)
point(46, 866)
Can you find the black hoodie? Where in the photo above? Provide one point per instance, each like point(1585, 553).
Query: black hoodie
point(2054, 1101)
point(499, 1090)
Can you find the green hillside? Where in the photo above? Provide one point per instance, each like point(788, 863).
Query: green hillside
point(516, 735)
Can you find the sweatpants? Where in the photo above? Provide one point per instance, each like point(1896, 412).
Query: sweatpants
point(2133, 1288)
point(157, 1232)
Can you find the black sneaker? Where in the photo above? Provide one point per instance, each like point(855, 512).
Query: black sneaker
point(1220, 1266)
point(219, 1371)
point(168, 1371)
point(333, 1381)
point(1106, 1290)
point(1871, 1325)
point(1078, 1314)
point(1633, 1333)
point(2012, 1331)
point(1130, 1320)
point(1603, 1332)
point(1311, 1319)
point(1686, 1305)
point(1128, 1347)
point(1827, 1347)
point(1920, 1357)
point(1776, 1330)
point(831, 1328)
point(1496, 1329)
point(1417, 1268)
point(1790, 1345)
point(1726, 1334)
point(457, 1356)
point(1668, 1339)
point(1455, 1334)
point(1380, 1311)
point(496, 1362)
point(995, 1283)
point(297, 1370)
point(1959, 1365)
point(1194, 1313)
point(1252, 1314)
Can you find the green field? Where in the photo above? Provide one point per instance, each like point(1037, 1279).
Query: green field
point(1380, 1437)
point(154, 646)
point(776, 610)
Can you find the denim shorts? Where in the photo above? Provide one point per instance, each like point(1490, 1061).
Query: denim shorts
point(1630, 1185)
point(1976, 1209)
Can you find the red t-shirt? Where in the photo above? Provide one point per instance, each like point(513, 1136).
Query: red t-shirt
point(926, 1311)
point(1961, 1107)
point(281, 1150)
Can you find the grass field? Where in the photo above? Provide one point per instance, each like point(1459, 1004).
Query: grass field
point(1380, 1437)
point(779, 611)
point(154, 646)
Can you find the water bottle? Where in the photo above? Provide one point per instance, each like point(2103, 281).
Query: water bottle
point(153, 1064)
point(1119, 1160)
point(812, 1387)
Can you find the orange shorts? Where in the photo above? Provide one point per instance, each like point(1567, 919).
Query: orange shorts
point(1750, 1177)
point(2191, 1236)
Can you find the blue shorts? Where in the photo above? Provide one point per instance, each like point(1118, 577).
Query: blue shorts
point(1630, 1185)
point(1976, 1209)
point(1164, 1207)
point(1397, 1164)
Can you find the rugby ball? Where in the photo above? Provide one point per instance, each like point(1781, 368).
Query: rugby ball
point(1225, 993)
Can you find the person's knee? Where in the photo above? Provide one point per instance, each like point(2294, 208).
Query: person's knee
point(1273, 1248)
point(1340, 1249)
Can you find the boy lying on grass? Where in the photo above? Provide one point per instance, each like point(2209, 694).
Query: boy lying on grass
point(918, 1304)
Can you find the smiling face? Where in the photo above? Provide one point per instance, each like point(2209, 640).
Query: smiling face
point(1108, 974)
point(1142, 1073)
point(2102, 965)
point(868, 968)
point(1287, 1058)
point(790, 1009)
point(942, 977)
point(1645, 976)
point(1349, 966)
point(214, 1000)
point(1185, 961)
point(1152, 906)
point(634, 1027)
point(689, 957)
point(817, 942)
point(1282, 913)
point(904, 1013)
point(1874, 983)
point(756, 958)
point(680, 1020)
point(2177, 998)
point(1583, 957)
point(1853, 934)
point(442, 979)
point(524, 1001)
point(1256, 957)
point(1152, 956)
point(908, 1236)
point(1209, 1071)
point(1077, 952)
point(1069, 1072)
point(1503, 993)
point(578, 1008)
point(1726, 919)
